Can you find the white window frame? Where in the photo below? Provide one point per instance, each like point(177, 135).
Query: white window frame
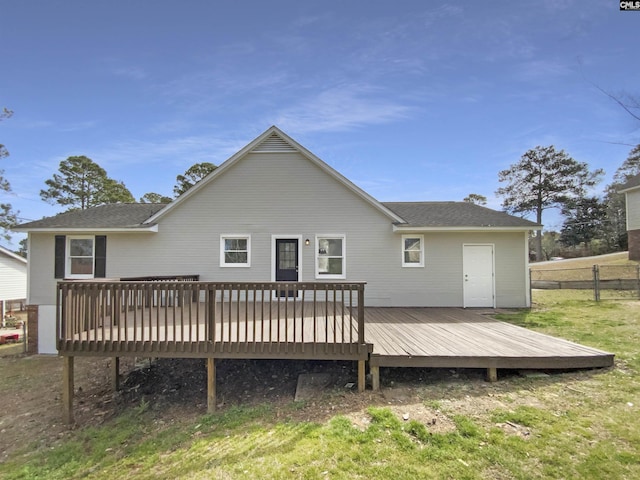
point(243, 236)
point(68, 257)
point(412, 264)
point(324, 276)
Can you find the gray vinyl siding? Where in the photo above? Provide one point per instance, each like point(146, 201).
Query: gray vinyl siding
point(285, 194)
point(633, 209)
point(41, 262)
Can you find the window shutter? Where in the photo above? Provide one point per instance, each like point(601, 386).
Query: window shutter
point(101, 256)
point(59, 266)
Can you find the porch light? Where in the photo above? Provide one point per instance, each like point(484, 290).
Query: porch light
point(307, 242)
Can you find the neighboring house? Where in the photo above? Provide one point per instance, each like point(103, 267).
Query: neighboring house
point(13, 279)
point(631, 191)
point(274, 211)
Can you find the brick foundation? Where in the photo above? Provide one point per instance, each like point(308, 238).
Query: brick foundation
point(32, 329)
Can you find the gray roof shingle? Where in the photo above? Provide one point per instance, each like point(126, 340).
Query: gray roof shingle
point(454, 214)
point(117, 215)
point(633, 182)
point(416, 214)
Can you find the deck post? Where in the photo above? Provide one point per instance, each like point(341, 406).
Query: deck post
point(361, 340)
point(361, 375)
point(115, 374)
point(375, 377)
point(67, 390)
point(492, 374)
point(211, 385)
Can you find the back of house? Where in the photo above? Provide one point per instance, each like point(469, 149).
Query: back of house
point(276, 212)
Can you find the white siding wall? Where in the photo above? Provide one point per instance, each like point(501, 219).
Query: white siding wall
point(633, 209)
point(13, 278)
point(266, 194)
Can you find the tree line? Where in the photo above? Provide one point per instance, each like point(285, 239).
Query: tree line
point(81, 183)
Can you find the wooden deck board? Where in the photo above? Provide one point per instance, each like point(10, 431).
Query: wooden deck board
point(453, 337)
point(443, 337)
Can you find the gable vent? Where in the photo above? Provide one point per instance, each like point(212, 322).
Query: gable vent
point(274, 143)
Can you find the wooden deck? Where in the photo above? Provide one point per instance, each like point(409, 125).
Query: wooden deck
point(213, 320)
point(275, 329)
point(455, 337)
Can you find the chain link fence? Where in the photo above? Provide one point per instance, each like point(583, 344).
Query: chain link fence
point(608, 282)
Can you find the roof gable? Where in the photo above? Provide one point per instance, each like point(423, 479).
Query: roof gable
point(274, 140)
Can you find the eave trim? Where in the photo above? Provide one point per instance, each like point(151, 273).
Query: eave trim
point(409, 228)
point(89, 230)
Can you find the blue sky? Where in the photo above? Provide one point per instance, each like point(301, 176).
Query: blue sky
point(411, 100)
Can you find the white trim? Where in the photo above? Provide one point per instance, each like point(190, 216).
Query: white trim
point(626, 212)
point(67, 257)
point(88, 230)
point(29, 265)
point(303, 151)
point(402, 228)
point(341, 236)
point(527, 283)
point(493, 271)
point(232, 236)
point(410, 264)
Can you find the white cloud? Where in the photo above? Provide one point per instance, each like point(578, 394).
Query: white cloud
point(536, 70)
point(132, 72)
point(179, 152)
point(341, 108)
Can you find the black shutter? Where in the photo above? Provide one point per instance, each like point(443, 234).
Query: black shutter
point(61, 243)
point(101, 256)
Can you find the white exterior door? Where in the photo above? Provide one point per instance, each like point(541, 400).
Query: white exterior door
point(477, 265)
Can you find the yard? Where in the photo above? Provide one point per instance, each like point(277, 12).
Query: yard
point(425, 423)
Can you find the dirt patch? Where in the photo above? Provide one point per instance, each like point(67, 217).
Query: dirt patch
point(175, 391)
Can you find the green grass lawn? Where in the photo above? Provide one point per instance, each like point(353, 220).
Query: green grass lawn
point(565, 425)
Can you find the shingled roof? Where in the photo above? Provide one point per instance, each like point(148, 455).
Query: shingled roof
point(415, 214)
point(117, 215)
point(632, 183)
point(455, 214)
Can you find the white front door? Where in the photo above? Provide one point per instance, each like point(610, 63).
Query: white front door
point(477, 265)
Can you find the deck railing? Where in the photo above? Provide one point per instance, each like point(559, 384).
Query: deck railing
point(222, 319)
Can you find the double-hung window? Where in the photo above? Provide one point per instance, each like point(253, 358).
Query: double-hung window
point(412, 250)
point(80, 257)
point(330, 257)
point(235, 250)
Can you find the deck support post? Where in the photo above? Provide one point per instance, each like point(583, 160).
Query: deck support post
point(67, 390)
point(492, 374)
point(375, 377)
point(115, 374)
point(211, 385)
point(361, 375)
